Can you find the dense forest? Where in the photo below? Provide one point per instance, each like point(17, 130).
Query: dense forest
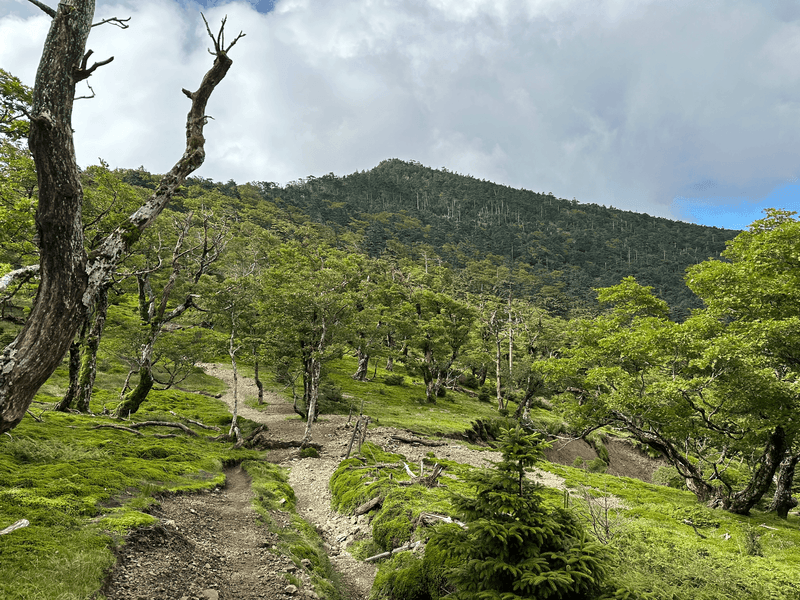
point(564, 247)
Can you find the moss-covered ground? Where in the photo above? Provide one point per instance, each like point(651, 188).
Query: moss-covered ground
point(83, 487)
point(656, 554)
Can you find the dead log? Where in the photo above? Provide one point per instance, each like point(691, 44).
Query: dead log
point(409, 546)
point(18, 525)
point(368, 506)
point(433, 519)
point(429, 481)
point(421, 442)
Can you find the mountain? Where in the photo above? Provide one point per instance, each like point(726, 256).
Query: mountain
point(405, 208)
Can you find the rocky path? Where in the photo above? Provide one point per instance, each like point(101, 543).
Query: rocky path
point(207, 546)
point(210, 546)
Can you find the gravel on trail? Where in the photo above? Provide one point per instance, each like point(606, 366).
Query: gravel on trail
point(211, 546)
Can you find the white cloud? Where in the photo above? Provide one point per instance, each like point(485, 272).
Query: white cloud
point(624, 103)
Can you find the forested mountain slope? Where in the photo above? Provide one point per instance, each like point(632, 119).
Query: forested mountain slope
point(404, 208)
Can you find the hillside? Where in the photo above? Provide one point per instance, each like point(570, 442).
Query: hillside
point(569, 247)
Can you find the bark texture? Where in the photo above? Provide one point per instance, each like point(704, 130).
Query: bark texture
point(782, 501)
point(71, 281)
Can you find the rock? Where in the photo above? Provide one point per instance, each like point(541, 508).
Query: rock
point(290, 589)
point(306, 563)
point(210, 594)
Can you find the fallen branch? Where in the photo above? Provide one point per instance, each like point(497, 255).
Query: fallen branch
point(120, 427)
point(409, 546)
point(693, 526)
point(193, 422)
point(421, 442)
point(368, 506)
point(18, 525)
point(163, 424)
point(429, 481)
point(37, 419)
point(768, 527)
point(432, 519)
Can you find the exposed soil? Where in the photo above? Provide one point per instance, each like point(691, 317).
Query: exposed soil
point(210, 546)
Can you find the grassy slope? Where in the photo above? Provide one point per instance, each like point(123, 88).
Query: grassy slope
point(82, 488)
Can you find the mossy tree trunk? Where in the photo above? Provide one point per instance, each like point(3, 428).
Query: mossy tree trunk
point(742, 501)
point(363, 365)
point(74, 371)
point(782, 501)
point(88, 369)
point(69, 280)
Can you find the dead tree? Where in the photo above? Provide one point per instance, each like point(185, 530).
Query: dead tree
point(70, 281)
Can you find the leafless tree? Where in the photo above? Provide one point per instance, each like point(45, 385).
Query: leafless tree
point(70, 280)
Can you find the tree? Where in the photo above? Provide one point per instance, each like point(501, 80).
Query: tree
point(307, 307)
point(514, 547)
point(756, 291)
point(200, 241)
point(436, 327)
point(698, 392)
point(70, 281)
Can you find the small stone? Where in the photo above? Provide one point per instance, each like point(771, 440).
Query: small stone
point(210, 594)
point(290, 589)
point(306, 563)
point(291, 568)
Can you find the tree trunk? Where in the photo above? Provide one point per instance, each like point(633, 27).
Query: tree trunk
point(74, 371)
point(259, 384)
point(742, 501)
point(498, 358)
point(363, 366)
point(88, 369)
point(133, 399)
point(69, 281)
point(692, 476)
point(234, 430)
point(313, 397)
point(782, 501)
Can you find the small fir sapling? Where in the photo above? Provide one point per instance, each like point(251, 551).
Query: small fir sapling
point(514, 547)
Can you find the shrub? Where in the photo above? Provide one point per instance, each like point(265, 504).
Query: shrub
point(468, 380)
point(485, 394)
point(394, 380)
point(669, 476)
point(330, 392)
point(309, 452)
point(597, 465)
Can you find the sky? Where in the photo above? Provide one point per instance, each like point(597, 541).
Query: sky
point(676, 108)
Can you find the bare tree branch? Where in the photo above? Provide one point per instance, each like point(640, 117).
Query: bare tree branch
point(82, 72)
point(44, 7)
point(121, 23)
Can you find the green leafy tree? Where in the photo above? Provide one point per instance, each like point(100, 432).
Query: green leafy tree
point(698, 392)
point(307, 306)
point(435, 327)
point(513, 545)
point(756, 292)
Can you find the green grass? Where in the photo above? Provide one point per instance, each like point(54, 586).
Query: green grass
point(405, 406)
point(82, 488)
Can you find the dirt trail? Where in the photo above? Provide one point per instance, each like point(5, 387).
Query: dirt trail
point(207, 546)
point(210, 546)
point(308, 477)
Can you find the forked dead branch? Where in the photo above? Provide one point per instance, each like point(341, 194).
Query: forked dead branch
point(69, 279)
